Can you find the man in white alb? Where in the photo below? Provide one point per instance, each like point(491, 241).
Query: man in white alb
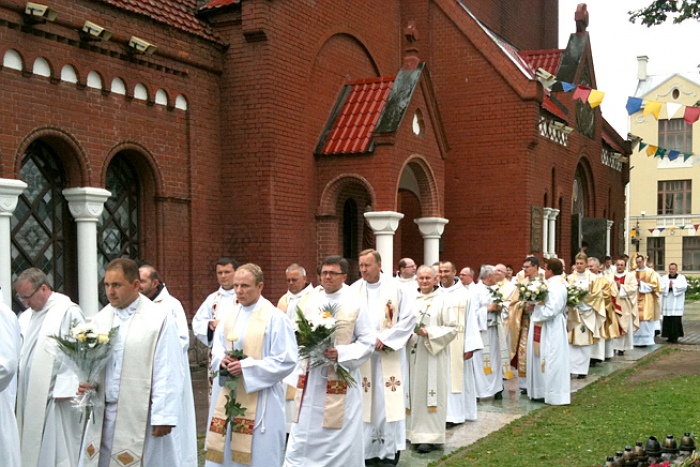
point(49, 426)
point(9, 361)
point(625, 301)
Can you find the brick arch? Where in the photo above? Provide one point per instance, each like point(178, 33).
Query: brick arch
point(72, 155)
point(143, 161)
point(427, 184)
point(328, 205)
point(589, 189)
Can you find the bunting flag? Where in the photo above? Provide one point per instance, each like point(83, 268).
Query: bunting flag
point(686, 156)
point(656, 151)
point(595, 98)
point(642, 145)
point(660, 153)
point(682, 227)
point(691, 115)
point(651, 150)
point(672, 228)
point(567, 86)
point(671, 109)
point(651, 230)
point(673, 154)
point(696, 226)
point(581, 93)
point(652, 107)
point(634, 105)
point(661, 229)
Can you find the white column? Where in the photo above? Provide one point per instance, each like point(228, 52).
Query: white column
point(384, 225)
point(10, 190)
point(431, 229)
point(86, 205)
point(607, 237)
point(545, 232)
point(553, 213)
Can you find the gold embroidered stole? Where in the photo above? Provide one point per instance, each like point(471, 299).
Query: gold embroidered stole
point(647, 307)
point(242, 433)
point(584, 326)
point(283, 304)
point(391, 382)
point(336, 390)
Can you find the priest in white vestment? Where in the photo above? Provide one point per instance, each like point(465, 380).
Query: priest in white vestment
point(9, 362)
point(406, 276)
point(603, 348)
point(327, 428)
point(154, 288)
point(436, 327)
point(548, 377)
point(390, 309)
point(298, 292)
point(142, 382)
point(490, 363)
point(673, 287)
point(625, 301)
point(647, 303)
point(266, 337)
point(461, 387)
point(49, 426)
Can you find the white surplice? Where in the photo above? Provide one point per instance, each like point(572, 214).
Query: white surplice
point(217, 305)
point(461, 406)
point(166, 387)
point(309, 443)
point(10, 342)
point(187, 418)
point(487, 385)
point(548, 373)
point(60, 444)
point(626, 298)
point(384, 439)
point(279, 355)
point(428, 363)
point(673, 301)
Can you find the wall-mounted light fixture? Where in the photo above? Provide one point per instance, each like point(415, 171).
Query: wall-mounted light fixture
point(93, 32)
point(141, 46)
point(37, 13)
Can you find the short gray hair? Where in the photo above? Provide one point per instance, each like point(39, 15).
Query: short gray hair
point(295, 267)
point(35, 276)
point(486, 270)
point(594, 260)
point(425, 267)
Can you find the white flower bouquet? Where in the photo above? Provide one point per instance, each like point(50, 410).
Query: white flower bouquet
point(574, 295)
point(533, 292)
point(86, 351)
point(316, 334)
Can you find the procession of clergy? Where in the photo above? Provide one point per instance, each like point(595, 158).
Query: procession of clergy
point(422, 349)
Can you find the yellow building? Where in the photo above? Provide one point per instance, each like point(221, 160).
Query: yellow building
point(664, 189)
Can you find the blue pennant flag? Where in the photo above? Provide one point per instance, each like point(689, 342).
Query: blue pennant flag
point(673, 154)
point(567, 86)
point(634, 104)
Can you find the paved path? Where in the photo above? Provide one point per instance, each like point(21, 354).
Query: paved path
point(492, 414)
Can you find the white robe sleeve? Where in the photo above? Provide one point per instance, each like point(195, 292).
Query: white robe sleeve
point(200, 322)
point(554, 305)
point(396, 337)
point(9, 349)
point(168, 377)
point(440, 336)
point(66, 382)
point(277, 362)
point(353, 355)
point(645, 287)
point(680, 285)
point(472, 336)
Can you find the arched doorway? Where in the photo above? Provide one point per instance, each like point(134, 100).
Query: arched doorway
point(43, 231)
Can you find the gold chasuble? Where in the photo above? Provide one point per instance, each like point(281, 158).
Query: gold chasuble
point(242, 427)
point(391, 360)
point(336, 390)
point(647, 303)
point(584, 324)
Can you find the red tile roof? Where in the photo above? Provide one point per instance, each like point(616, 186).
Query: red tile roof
point(552, 108)
point(179, 14)
point(218, 4)
point(612, 143)
point(357, 119)
point(548, 59)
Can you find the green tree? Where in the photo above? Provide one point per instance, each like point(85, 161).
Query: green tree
point(660, 10)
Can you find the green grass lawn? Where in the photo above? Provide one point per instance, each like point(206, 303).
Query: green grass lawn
point(603, 418)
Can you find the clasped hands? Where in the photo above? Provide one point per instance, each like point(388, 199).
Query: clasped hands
point(232, 365)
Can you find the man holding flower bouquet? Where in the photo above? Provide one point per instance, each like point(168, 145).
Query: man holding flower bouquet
point(625, 302)
point(255, 346)
point(548, 349)
point(49, 426)
point(142, 383)
point(327, 421)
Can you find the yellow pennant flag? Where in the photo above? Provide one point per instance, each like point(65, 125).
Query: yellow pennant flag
point(595, 98)
point(651, 150)
point(652, 107)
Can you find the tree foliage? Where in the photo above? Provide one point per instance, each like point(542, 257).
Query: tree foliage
point(659, 11)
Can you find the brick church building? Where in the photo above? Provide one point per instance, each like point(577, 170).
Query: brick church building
point(279, 132)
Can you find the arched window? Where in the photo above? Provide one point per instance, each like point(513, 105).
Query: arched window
point(118, 229)
point(43, 234)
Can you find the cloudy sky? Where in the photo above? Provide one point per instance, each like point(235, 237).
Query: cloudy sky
point(616, 43)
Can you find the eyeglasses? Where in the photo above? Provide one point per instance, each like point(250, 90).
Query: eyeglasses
point(331, 273)
point(28, 297)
